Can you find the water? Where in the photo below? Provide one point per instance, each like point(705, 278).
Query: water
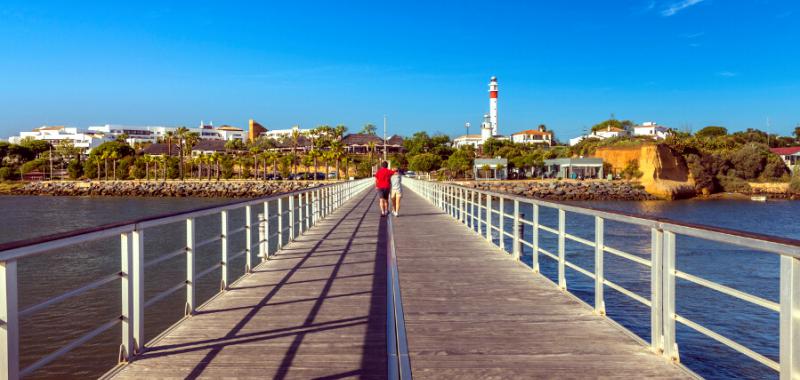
point(750, 271)
point(44, 276)
point(47, 275)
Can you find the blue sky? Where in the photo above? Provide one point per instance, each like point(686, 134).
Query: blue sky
point(568, 64)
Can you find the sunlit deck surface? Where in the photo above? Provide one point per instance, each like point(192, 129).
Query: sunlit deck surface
point(317, 309)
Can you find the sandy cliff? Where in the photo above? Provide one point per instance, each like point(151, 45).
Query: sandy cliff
point(664, 174)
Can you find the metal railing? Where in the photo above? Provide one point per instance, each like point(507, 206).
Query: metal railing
point(473, 208)
point(305, 208)
point(399, 365)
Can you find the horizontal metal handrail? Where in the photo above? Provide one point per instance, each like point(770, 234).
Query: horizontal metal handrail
point(12, 250)
point(465, 205)
point(69, 294)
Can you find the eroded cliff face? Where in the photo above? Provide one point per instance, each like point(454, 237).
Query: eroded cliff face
point(664, 173)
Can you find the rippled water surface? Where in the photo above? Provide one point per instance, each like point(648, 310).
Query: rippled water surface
point(45, 276)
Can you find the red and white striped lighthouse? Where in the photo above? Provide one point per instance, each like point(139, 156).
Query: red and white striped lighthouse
point(493, 105)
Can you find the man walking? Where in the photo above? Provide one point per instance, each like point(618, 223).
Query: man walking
point(384, 185)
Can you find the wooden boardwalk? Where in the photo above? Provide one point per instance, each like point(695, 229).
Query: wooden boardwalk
point(471, 312)
point(318, 310)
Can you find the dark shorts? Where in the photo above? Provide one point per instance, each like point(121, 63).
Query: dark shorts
point(383, 193)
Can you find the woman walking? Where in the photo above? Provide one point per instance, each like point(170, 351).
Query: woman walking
point(397, 191)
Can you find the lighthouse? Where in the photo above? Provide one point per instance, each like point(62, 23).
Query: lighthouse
point(493, 105)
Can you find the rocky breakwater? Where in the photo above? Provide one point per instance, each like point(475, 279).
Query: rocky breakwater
point(569, 190)
point(211, 189)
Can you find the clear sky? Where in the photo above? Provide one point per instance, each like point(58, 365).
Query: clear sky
point(567, 64)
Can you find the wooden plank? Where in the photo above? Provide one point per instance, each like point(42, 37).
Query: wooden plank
point(472, 312)
point(316, 309)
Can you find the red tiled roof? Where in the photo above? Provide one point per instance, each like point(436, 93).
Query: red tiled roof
point(786, 151)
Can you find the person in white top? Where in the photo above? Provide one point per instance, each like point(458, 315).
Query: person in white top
point(397, 191)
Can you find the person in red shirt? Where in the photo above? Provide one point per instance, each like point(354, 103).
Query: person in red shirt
point(383, 183)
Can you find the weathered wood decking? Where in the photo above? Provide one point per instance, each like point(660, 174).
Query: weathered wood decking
point(315, 310)
point(471, 312)
point(318, 310)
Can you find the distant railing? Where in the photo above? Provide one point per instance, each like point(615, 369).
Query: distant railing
point(467, 206)
point(305, 208)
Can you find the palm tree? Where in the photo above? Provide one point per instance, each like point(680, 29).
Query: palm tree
point(369, 129)
point(170, 135)
point(314, 154)
point(181, 134)
point(216, 158)
point(295, 141)
point(308, 160)
point(254, 151)
point(105, 156)
point(114, 156)
point(337, 152)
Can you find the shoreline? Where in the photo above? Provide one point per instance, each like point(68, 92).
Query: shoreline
point(561, 190)
point(159, 189)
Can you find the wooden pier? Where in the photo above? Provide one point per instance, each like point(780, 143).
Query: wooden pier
point(317, 309)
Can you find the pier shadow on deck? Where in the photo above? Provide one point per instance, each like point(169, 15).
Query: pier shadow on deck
point(316, 310)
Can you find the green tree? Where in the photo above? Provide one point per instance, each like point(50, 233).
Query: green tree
point(36, 146)
point(369, 129)
point(460, 162)
point(75, 169)
point(8, 174)
point(612, 123)
point(712, 131)
point(425, 162)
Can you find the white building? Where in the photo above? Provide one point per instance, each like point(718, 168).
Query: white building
point(600, 134)
point(789, 155)
point(533, 136)
point(652, 129)
point(464, 140)
point(55, 135)
point(277, 134)
point(227, 132)
point(136, 134)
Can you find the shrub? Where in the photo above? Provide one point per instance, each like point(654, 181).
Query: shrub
point(732, 183)
point(794, 185)
point(632, 170)
point(75, 169)
point(8, 174)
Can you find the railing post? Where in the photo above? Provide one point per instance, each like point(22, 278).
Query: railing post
point(9, 330)
point(266, 232)
point(489, 217)
point(280, 224)
point(562, 224)
point(599, 276)
point(668, 289)
point(516, 248)
point(137, 264)
point(300, 213)
point(126, 348)
point(656, 292)
point(190, 267)
point(790, 318)
point(223, 285)
point(462, 196)
point(535, 239)
point(475, 208)
point(291, 218)
point(261, 254)
point(248, 238)
point(501, 215)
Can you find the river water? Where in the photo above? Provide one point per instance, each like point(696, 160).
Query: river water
point(48, 275)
